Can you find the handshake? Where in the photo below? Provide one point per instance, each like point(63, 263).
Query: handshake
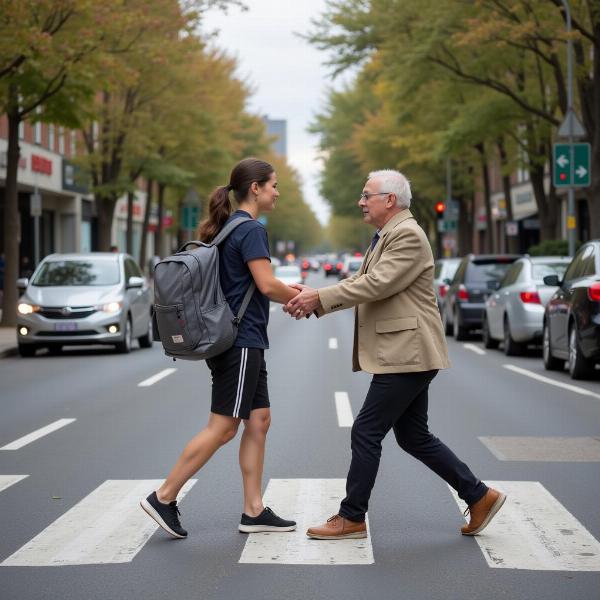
point(304, 303)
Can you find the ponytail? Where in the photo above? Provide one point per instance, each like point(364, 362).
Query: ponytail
point(219, 210)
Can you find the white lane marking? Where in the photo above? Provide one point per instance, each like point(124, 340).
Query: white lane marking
point(343, 409)
point(107, 526)
point(7, 480)
point(474, 348)
point(152, 380)
point(534, 531)
point(548, 380)
point(333, 344)
point(309, 502)
point(36, 435)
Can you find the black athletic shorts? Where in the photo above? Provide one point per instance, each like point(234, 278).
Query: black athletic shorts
point(239, 382)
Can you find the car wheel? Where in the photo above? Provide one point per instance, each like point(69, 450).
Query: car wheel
point(550, 362)
point(579, 366)
point(124, 347)
point(460, 332)
point(146, 340)
point(511, 348)
point(488, 340)
point(27, 350)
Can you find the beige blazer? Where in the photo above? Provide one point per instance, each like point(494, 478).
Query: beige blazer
point(397, 325)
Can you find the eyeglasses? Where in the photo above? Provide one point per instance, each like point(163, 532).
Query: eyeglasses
point(366, 195)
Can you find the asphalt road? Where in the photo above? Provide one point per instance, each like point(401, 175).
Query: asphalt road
point(123, 432)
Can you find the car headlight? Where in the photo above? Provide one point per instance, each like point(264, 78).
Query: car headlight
point(112, 307)
point(26, 309)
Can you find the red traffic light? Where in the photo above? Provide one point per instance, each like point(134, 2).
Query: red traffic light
point(440, 207)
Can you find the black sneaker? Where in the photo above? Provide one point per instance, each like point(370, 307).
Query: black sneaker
point(166, 515)
point(266, 521)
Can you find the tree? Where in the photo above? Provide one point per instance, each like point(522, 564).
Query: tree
point(48, 53)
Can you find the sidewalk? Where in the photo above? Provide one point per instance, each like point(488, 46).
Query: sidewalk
point(8, 341)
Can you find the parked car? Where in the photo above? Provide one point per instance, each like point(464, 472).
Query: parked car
point(332, 266)
point(572, 316)
point(514, 313)
point(350, 266)
point(475, 279)
point(445, 268)
point(93, 298)
point(289, 274)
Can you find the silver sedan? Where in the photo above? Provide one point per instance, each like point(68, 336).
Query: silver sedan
point(92, 298)
point(514, 314)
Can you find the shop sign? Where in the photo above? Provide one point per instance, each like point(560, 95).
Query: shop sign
point(39, 164)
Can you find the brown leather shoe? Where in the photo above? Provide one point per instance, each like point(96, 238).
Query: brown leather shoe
point(483, 511)
point(338, 528)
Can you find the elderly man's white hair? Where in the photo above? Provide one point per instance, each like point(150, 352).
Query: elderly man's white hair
point(395, 183)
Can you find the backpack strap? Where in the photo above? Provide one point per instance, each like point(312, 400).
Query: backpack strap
point(245, 303)
point(220, 237)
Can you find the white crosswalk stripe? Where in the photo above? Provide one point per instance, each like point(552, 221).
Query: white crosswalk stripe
point(534, 531)
point(309, 502)
point(333, 344)
point(107, 526)
point(7, 480)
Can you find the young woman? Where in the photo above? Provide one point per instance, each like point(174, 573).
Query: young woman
point(239, 375)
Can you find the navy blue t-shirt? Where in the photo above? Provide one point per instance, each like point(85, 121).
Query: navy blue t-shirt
point(247, 242)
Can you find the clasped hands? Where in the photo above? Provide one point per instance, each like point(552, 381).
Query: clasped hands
point(303, 304)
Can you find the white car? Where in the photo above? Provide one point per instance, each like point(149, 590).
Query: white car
point(92, 298)
point(514, 313)
point(289, 274)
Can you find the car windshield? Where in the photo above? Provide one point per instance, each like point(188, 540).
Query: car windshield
point(78, 273)
point(542, 270)
point(287, 272)
point(480, 273)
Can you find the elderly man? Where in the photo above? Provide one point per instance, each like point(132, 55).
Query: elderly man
point(398, 337)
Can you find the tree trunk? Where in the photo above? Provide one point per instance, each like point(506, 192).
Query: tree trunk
point(147, 211)
point(129, 234)
point(464, 226)
point(547, 204)
point(512, 241)
point(106, 210)
point(491, 245)
point(158, 238)
point(11, 220)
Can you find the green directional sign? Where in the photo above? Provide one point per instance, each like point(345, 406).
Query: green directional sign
point(562, 165)
point(189, 217)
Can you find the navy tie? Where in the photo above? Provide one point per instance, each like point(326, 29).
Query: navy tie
point(374, 240)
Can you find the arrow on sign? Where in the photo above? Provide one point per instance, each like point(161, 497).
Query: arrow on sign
point(562, 161)
point(581, 171)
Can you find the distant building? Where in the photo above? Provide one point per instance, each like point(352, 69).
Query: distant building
point(277, 128)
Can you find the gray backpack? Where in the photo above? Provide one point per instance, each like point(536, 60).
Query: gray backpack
point(191, 316)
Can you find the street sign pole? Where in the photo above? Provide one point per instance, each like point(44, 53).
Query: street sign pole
point(571, 197)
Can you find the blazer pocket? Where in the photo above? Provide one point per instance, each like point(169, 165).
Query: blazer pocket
point(397, 341)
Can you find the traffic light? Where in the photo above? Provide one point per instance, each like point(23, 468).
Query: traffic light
point(440, 207)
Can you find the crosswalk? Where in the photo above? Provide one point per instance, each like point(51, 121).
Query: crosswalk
point(533, 531)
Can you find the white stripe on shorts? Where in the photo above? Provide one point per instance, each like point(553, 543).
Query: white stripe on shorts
point(241, 378)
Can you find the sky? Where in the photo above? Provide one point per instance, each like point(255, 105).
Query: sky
point(285, 72)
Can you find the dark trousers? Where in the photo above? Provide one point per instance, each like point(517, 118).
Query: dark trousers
point(400, 400)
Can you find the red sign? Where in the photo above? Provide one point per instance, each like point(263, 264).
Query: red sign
point(39, 164)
